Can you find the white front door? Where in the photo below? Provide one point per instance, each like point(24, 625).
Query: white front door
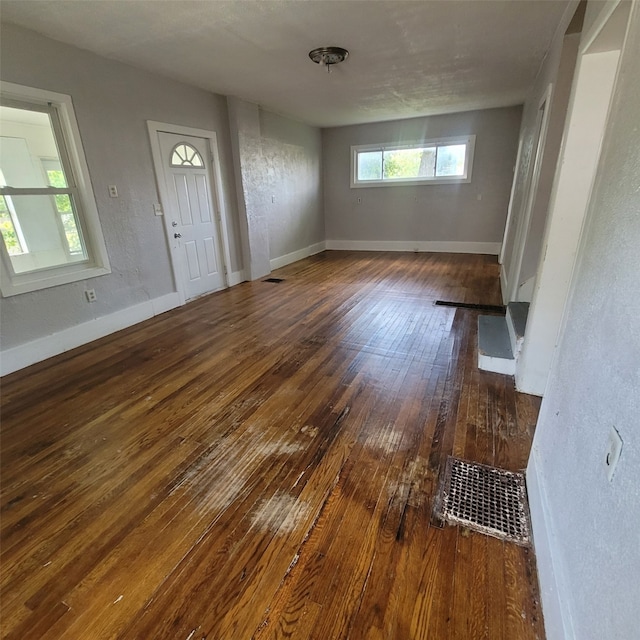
point(190, 212)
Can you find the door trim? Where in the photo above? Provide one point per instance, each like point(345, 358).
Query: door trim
point(531, 193)
point(509, 221)
point(587, 123)
point(217, 190)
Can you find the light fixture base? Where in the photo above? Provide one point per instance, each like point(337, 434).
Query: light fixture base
point(328, 56)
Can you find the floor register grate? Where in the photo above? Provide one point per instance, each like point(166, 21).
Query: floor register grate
point(485, 499)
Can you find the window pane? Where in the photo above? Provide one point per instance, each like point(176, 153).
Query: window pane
point(69, 223)
point(54, 173)
point(72, 234)
point(450, 160)
point(409, 163)
point(27, 140)
point(370, 165)
point(63, 203)
point(12, 240)
point(429, 161)
point(184, 155)
point(50, 230)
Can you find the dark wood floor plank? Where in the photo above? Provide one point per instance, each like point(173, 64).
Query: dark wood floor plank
point(262, 463)
point(470, 586)
point(523, 615)
point(496, 605)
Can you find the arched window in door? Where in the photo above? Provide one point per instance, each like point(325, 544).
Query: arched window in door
point(184, 155)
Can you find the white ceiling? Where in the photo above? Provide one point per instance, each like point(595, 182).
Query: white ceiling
point(407, 58)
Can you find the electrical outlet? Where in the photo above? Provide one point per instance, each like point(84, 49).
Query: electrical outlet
point(113, 191)
point(614, 449)
point(91, 295)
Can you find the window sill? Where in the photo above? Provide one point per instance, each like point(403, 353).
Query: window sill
point(408, 183)
point(37, 280)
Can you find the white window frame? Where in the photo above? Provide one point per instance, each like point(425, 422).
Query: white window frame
point(469, 141)
point(97, 263)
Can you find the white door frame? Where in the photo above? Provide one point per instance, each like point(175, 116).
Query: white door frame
point(593, 90)
point(507, 224)
point(531, 191)
point(215, 178)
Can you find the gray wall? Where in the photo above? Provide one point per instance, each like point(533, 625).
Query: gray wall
point(595, 384)
point(451, 213)
point(292, 161)
point(246, 144)
point(278, 172)
point(112, 103)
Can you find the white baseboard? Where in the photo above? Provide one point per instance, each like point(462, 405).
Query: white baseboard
point(163, 304)
point(555, 606)
point(29, 353)
point(311, 250)
point(435, 246)
point(235, 277)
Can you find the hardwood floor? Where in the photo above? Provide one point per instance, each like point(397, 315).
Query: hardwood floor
point(262, 462)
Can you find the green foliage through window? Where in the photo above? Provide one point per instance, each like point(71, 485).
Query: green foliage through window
point(409, 163)
point(8, 230)
point(65, 210)
point(56, 178)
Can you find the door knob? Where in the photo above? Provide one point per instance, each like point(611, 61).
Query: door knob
point(177, 235)
point(174, 224)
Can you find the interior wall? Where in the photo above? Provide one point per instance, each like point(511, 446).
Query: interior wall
point(246, 144)
point(555, 127)
point(292, 161)
point(548, 74)
point(474, 212)
point(278, 172)
point(593, 386)
point(112, 102)
point(577, 167)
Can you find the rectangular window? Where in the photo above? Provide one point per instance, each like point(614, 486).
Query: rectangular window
point(49, 223)
point(447, 160)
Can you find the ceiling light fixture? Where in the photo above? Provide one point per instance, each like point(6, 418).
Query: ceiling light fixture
point(328, 56)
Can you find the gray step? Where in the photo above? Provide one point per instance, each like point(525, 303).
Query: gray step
point(494, 345)
point(517, 313)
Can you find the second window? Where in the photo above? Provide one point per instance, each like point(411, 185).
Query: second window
point(431, 161)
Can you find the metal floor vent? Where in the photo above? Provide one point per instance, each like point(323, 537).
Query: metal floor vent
point(274, 280)
point(485, 499)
